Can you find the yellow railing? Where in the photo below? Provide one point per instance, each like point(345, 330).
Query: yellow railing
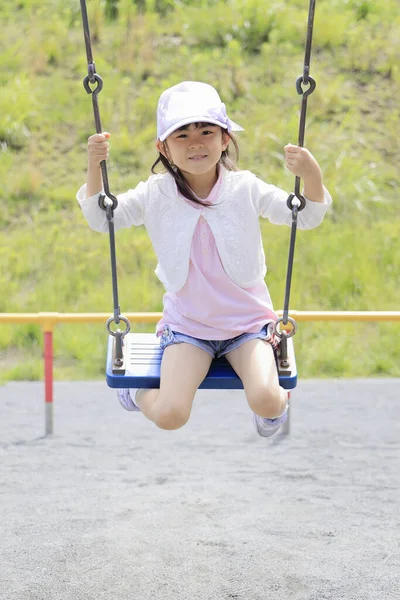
point(48, 321)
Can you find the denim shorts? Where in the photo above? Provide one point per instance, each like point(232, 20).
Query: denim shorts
point(217, 348)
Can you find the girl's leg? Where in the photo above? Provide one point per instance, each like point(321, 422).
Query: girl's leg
point(254, 362)
point(183, 368)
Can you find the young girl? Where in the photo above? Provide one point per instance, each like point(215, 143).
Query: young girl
point(202, 217)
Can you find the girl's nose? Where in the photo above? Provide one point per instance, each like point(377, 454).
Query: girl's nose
point(196, 143)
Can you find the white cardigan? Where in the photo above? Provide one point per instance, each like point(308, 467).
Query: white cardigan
point(170, 222)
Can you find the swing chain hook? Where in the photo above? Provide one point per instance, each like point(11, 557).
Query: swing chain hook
point(93, 78)
point(108, 203)
point(284, 332)
point(305, 80)
point(295, 203)
point(117, 320)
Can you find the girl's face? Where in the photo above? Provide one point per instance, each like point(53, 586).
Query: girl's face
point(196, 148)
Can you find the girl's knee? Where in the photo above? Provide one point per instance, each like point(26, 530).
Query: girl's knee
point(171, 417)
point(267, 402)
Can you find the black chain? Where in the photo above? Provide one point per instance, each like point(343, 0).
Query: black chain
point(299, 204)
point(107, 201)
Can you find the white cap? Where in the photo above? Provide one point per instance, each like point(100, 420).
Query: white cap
point(191, 102)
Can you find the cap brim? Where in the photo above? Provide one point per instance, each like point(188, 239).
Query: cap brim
point(189, 120)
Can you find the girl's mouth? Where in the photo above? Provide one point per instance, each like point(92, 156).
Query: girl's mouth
point(198, 157)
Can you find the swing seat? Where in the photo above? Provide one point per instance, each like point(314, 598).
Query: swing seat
point(142, 361)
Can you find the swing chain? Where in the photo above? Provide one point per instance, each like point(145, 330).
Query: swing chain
point(107, 201)
point(305, 80)
point(92, 77)
point(296, 201)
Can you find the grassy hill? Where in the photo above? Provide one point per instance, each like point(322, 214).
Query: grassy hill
point(252, 51)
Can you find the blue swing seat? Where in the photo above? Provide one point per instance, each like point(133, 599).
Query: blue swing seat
point(142, 360)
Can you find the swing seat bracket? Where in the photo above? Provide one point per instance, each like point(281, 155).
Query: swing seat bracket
point(118, 355)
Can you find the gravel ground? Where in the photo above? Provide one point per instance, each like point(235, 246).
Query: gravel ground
point(112, 508)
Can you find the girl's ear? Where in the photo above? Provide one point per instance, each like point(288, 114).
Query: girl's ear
point(225, 140)
point(161, 148)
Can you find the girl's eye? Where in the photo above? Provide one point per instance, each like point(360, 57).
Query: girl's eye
point(182, 136)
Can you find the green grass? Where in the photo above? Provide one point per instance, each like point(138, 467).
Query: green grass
point(252, 51)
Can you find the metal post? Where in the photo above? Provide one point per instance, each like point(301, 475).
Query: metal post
point(48, 381)
point(286, 426)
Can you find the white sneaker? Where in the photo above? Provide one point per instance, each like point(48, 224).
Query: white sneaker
point(267, 427)
point(125, 399)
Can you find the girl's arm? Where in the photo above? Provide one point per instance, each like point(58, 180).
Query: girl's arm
point(131, 205)
point(270, 201)
point(94, 181)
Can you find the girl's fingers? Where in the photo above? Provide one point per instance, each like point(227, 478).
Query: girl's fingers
point(98, 144)
point(99, 137)
point(291, 148)
point(292, 154)
point(98, 147)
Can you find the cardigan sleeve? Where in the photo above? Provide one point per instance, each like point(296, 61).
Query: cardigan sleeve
point(270, 203)
point(130, 210)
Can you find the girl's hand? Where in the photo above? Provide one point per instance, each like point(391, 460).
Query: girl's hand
point(98, 148)
point(301, 162)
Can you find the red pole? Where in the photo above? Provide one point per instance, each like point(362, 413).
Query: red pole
point(48, 379)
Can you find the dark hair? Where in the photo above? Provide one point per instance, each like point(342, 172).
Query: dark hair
point(181, 182)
